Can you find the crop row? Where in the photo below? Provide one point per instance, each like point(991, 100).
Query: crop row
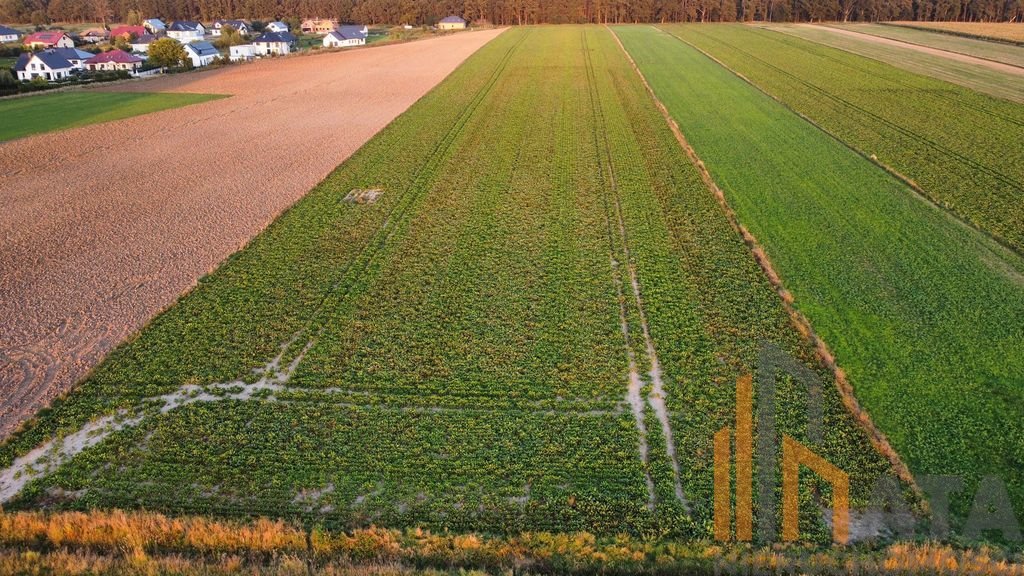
point(961, 147)
point(921, 312)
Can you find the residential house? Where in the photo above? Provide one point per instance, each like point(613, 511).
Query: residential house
point(93, 35)
point(114, 60)
point(201, 53)
point(45, 64)
point(242, 52)
point(8, 35)
point(127, 32)
point(346, 36)
point(277, 26)
point(239, 25)
point(75, 56)
point(319, 26)
point(274, 43)
point(185, 31)
point(155, 26)
point(141, 44)
point(49, 39)
point(451, 23)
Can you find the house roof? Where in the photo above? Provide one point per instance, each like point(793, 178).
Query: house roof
point(203, 49)
point(236, 24)
point(275, 37)
point(115, 56)
point(184, 26)
point(53, 60)
point(278, 24)
point(95, 32)
point(22, 61)
point(145, 39)
point(5, 31)
point(124, 30)
point(452, 20)
point(45, 37)
point(71, 53)
point(349, 33)
point(156, 23)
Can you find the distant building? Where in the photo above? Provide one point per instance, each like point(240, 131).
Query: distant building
point(319, 26)
point(8, 35)
point(239, 25)
point(49, 39)
point(451, 23)
point(45, 64)
point(75, 56)
point(201, 53)
point(93, 35)
point(141, 44)
point(127, 32)
point(277, 26)
point(346, 36)
point(114, 60)
point(186, 31)
point(155, 26)
point(243, 52)
point(274, 43)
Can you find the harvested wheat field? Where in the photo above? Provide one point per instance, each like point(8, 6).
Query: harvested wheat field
point(104, 226)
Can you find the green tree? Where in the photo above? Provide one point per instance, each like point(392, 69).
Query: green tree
point(167, 53)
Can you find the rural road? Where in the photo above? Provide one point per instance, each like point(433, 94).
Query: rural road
point(104, 226)
point(997, 66)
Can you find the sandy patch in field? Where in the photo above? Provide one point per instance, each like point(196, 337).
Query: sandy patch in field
point(997, 66)
point(101, 227)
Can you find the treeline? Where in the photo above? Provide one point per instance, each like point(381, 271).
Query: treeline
point(509, 12)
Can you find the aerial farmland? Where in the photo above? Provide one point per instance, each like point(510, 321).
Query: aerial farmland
point(603, 298)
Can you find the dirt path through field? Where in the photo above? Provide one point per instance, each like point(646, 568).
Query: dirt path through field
point(997, 66)
point(101, 227)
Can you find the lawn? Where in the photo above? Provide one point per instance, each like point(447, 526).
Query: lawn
point(922, 312)
point(34, 114)
point(475, 349)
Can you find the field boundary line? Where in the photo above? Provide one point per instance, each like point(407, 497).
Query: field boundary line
point(834, 27)
point(955, 33)
point(909, 182)
point(802, 324)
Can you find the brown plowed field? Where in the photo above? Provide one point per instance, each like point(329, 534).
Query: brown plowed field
point(101, 227)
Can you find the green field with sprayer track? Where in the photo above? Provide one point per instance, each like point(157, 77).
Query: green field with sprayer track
point(457, 353)
point(923, 312)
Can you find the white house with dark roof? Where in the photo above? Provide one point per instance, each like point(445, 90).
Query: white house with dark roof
point(451, 23)
point(279, 43)
point(201, 53)
point(8, 35)
point(346, 36)
point(239, 25)
point(141, 44)
point(155, 26)
point(242, 52)
point(74, 56)
point(277, 26)
point(45, 64)
point(186, 31)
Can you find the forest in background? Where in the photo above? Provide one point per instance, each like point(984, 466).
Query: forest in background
point(511, 12)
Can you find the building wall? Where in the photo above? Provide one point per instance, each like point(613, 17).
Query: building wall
point(451, 26)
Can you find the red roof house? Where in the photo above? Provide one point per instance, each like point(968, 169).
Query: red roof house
point(128, 31)
point(49, 39)
point(114, 60)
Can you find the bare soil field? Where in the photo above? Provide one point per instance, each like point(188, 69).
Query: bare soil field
point(102, 227)
point(1008, 31)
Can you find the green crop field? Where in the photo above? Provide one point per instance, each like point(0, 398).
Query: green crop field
point(970, 75)
point(961, 147)
point(996, 51)
point(48, 112)
point(541, 294)
point(922, 312)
